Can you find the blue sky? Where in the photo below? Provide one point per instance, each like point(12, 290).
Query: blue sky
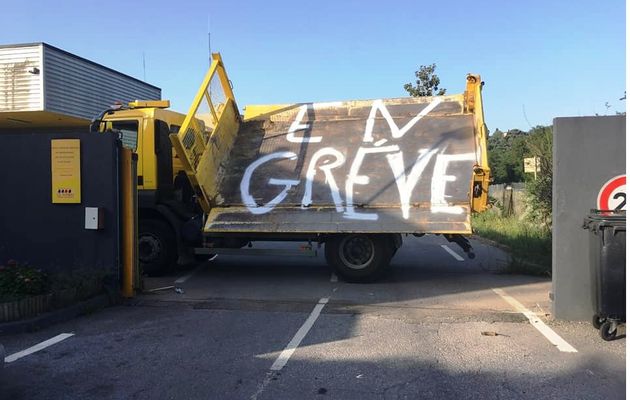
point(539, 59)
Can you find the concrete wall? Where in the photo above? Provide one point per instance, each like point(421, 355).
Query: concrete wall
point(587, 152)
point(52, 236)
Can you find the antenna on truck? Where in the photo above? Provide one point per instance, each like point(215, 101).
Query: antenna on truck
point(209, 43)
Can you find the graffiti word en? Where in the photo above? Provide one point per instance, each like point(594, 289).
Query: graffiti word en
point(397, 132)
point(298, 126)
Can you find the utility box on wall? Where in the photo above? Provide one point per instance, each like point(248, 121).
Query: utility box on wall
point(589, 158)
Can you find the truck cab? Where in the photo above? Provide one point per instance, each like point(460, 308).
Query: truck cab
point(166, 202)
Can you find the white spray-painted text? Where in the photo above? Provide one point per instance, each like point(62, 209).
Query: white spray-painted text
point(333, 158)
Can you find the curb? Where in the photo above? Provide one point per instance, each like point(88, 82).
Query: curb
point(53, 317)
point(491, 242)
point(513, 259)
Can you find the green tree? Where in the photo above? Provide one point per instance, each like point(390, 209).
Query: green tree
point(539, 191)
point(427, 83)
point(505, 155)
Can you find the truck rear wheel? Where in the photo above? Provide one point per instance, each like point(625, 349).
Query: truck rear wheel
point(359, 258)
point(157, 249)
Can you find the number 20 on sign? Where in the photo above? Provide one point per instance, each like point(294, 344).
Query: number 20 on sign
point(612, 195)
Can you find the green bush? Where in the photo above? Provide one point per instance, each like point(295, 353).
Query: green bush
point(529, 243)
point(18, 281)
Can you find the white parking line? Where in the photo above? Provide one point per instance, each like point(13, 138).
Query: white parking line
point(190, 275)
point(547, 332)
point(451, 252)
point(187, 277)
point(263, 385)
point(37, 347)
point(288, 351)
point(282, 359)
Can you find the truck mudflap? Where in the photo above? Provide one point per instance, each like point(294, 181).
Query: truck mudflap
point(405, 165)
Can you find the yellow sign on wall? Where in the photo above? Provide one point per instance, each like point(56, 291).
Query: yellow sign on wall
point(66, 170)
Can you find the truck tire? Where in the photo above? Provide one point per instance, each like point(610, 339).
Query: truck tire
point(157, 247)
point(359, 258)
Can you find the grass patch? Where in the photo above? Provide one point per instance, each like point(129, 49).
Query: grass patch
point(529, 244)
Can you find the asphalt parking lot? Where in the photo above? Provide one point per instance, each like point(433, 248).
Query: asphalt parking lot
point(440, 326)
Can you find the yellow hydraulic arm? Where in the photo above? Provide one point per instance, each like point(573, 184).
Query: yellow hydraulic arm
point(481, 171)
point(208, 132)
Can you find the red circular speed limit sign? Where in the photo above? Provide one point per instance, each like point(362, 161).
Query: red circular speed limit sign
point(612, 196)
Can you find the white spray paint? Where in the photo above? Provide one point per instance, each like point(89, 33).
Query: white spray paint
point(439, 180)
point(298, 126)
point(406, 183)
point(247, 198)
point(355, 179)
point(397, 132)
point(330, 179)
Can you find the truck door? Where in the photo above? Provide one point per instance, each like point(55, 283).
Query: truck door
point(131, 138)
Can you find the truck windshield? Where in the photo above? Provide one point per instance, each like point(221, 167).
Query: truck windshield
point(128, 132)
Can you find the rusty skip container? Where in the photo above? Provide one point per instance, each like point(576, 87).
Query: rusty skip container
point(383, 166)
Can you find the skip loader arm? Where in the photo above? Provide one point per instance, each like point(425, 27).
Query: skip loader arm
point(205, 139)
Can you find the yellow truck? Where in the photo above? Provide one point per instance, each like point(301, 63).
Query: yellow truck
point(352, 175)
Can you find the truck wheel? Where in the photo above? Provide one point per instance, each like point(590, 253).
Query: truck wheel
point(359, 258)
point(157, 249)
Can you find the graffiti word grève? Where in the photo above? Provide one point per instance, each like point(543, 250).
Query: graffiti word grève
point(405, 183)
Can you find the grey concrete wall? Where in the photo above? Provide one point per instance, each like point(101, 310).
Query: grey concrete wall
point(587, 152)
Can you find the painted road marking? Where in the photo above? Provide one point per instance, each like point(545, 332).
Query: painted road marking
point(37, 347)
point(187, 277)
point(282, 359)
point(333, 278)
point(288, 351)
point(263, 385)
point(547, 332)
point(451, 252)
point(184, 278)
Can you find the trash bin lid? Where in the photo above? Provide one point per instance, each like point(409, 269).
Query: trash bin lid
point(602, 218)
